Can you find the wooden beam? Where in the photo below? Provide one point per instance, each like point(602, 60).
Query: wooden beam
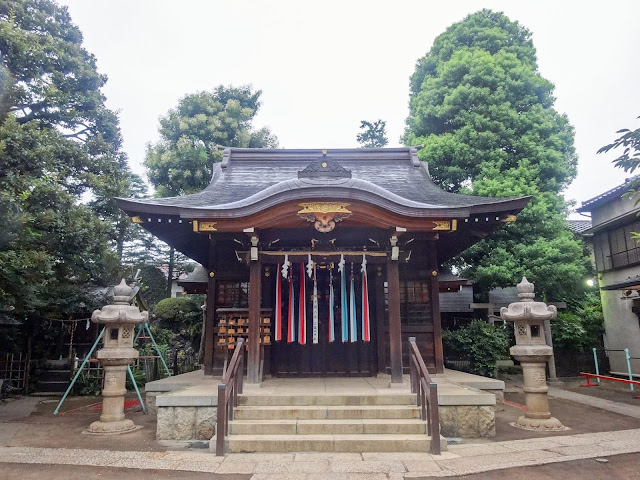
point(323, 256)
point(210, 323)
point(435, 307)
point(255, 293)
point(380, 327)
point(395, 329)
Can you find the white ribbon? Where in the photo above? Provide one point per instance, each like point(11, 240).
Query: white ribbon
point(310, 267)
point(363, 269)
point(341, 263)
point(285, 266)
point(315, 307)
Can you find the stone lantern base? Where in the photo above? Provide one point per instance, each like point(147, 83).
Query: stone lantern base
point(550, 424)
point(115, 362)
point(112, 428)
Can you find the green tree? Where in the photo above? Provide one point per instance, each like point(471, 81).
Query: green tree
point(485, 118)
point(629, 160)
point(373, 135)
point(58, 144)
point(191, 138)
point(191, 135)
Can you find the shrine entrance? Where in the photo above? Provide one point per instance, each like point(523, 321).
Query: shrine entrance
point(266, 205)
point(330, 356)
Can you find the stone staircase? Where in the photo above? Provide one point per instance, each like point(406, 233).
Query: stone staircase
point(328, 423)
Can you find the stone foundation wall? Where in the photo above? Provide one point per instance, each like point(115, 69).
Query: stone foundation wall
point(150, 402)
point(468, 421)
point(186, 423)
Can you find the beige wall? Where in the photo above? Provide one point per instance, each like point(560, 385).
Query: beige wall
point(621, 324)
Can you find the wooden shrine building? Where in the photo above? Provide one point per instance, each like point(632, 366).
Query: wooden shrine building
point(334, 208)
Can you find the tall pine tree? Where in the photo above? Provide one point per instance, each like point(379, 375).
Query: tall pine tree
point(486, 119)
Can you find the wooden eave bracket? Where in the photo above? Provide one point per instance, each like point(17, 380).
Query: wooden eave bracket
point(253, 235)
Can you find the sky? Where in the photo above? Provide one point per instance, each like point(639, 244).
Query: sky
point(324, 66)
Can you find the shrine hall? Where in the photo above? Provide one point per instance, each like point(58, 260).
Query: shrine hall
point(324, 260)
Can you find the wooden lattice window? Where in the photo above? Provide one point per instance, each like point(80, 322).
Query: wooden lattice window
point(414, 302)
point(233, 294)
point(624, 249)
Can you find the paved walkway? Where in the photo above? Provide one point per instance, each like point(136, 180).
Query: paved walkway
point(621, 408)
point(459, 460)
point(11, 413)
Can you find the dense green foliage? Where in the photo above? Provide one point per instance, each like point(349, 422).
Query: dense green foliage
point(629, 141)
point(182, 315)
point(580, 328)
point(481, 342)
point(486, 120)
point(152, 281)
point(192, 133)
point(374, 135)
point(59, 144)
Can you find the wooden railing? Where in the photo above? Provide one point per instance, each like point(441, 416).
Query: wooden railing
point(228, 392)
point(427, 394)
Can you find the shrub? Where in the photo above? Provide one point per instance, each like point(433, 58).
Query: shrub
point(481, 342)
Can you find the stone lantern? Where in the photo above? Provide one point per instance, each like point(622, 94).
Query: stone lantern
point(116, 354)
point(532, 352)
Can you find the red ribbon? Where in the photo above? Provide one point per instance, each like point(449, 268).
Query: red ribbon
point(291, 317)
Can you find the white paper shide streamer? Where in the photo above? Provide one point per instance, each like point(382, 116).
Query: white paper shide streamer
point(310, 266)
point(285, 266)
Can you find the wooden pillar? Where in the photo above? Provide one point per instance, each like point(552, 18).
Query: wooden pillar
point(380, 326)
point(395, 330)
point(435, 306)
point(255, 292)
point(210, 322)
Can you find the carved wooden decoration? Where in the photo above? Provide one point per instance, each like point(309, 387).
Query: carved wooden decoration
point(324, 215)
point(199, 226)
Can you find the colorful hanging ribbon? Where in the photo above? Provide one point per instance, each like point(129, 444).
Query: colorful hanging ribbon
point(352, 309)
point(291, 318)
point(302, 335)
point(332, 335)
point(344, 314)
point(315, 306)
point(278, 305)
point(366, 328)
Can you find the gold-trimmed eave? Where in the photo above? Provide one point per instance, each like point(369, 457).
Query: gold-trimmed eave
point(204, 226)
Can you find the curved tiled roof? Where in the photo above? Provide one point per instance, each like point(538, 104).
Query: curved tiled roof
point(249, 180)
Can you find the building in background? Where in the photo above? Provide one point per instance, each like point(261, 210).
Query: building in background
point(614, 219)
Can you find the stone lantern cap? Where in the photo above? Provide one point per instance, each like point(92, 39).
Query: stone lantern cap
point(526, 310)
point(121, 311)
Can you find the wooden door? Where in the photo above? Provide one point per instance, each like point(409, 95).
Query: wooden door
point(324, 358)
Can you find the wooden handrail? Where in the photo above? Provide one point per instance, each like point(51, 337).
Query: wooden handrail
point(426, 394)
point(228, 397)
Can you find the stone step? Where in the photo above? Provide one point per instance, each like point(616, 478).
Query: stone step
point(327, 427)
point(351, 400)
point(329, 443)
point(319, 412)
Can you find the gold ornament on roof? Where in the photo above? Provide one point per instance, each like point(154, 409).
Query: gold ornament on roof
point(324, 215)
point(442, 225)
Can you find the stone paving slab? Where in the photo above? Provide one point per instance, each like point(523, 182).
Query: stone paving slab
point(463, 459)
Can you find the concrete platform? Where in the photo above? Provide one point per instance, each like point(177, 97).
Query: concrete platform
point(194, 389)
point(186, 404)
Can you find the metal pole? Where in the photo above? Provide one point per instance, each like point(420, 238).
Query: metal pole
point(595, 359)
point(628, 357)
point(146, 325)
point(84, 362)
point(135, 385)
